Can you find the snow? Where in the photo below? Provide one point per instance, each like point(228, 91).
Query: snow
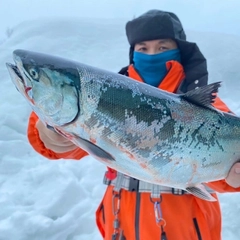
point(56, 200)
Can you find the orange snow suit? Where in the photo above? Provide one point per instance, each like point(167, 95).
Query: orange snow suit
point(186, 217)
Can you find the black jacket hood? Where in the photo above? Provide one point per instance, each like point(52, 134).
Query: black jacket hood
point(157, 24)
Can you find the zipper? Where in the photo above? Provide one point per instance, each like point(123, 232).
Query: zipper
point(197, 229)
point(137, 215)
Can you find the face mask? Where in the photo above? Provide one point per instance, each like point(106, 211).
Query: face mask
point(152, 68)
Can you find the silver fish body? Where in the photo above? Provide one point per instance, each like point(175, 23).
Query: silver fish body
point(147, 133)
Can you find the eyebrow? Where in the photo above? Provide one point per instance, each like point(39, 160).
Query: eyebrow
point(160, 41)
point(164, 41)
point(141, 43)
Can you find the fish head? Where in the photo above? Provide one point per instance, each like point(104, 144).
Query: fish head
point(50, 84)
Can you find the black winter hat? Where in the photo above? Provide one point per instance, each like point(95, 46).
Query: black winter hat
point(154, 24)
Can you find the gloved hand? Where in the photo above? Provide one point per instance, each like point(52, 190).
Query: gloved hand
point(233, 178)
point(54, 141)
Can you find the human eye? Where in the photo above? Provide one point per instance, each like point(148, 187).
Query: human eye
point(141, 49)
point(163, 48)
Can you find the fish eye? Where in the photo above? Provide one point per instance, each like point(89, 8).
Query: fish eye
point(34, 73)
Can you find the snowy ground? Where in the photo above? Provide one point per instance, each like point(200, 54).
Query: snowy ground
point(56, 200)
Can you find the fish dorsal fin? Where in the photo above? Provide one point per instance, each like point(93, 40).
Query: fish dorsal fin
point(203, 96)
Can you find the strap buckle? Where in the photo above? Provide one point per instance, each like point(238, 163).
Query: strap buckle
point(177, 191)
point(133, 185)
point(106, 180)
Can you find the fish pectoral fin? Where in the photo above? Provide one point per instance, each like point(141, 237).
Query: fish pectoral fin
point(201, 192)
point(93, 149)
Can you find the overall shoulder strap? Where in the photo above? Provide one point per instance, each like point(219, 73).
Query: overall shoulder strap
point(124, 71)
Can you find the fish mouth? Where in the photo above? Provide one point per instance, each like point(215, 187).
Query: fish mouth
point(15, 69)
point(18, 80)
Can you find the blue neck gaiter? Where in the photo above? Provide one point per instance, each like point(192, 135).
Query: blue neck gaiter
point(152, 68)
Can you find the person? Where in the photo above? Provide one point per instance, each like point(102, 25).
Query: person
point(160, 56)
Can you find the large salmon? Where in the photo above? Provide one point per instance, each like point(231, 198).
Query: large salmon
point(163, 138)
